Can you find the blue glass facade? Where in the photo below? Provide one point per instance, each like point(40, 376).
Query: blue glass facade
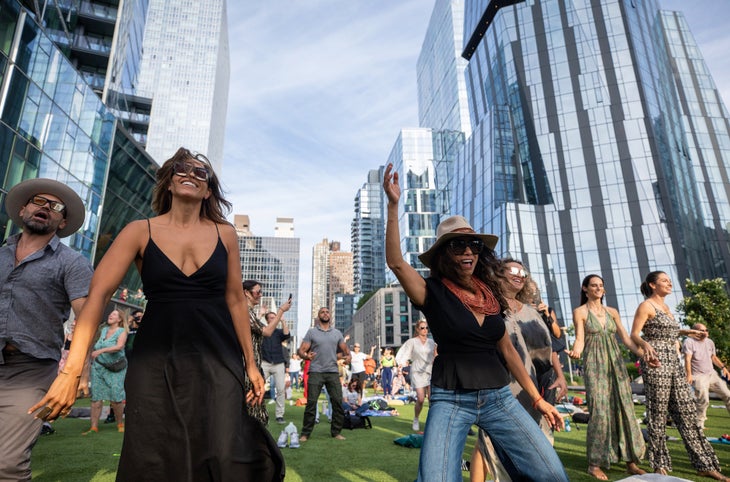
point(588, 154)
point(52, 124)
point(367, 233)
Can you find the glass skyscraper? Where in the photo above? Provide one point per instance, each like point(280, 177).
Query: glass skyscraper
point(186, 68)
point(599, 145)
point(273, 261)
point(367, 234)
point(54, 124)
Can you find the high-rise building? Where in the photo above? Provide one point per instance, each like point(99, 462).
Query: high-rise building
point(599, 145)
point(367, 234)
point(320, 253)
point(53, 124)
point(186, 68)
point(442, 100)
point(273, 261)
point(340, 273)
point(419, 155)
point(345, 307)
point(385, 319)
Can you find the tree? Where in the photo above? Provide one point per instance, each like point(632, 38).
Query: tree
point(709, 304)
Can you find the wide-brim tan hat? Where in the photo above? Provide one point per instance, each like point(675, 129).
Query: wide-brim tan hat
point(455, 227)
point(19, 195)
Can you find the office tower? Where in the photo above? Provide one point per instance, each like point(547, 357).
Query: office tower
point(53, 124)
point(599, 145)
point(385, 319)
point(186, 68)
point(416, 156)
point(442, 100)
point(320, 252)
point(273, 261)
point(340, 277)
point(345, 307)
point(367, 235)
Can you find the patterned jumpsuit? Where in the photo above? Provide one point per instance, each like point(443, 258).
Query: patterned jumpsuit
point(667, 392)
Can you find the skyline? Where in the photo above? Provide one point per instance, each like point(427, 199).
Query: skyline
point(307, 119)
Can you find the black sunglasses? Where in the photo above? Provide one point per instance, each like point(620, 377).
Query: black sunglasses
point(181, 168)
point(458, 246)
point(56, 206)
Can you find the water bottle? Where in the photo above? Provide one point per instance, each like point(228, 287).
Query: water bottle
point(567, 425)
point(291, 428)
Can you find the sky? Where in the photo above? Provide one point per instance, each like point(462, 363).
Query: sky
point(319, 92)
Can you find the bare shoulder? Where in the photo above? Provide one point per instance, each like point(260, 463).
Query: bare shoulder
point(646, 309)
point(613, 312)
point(228, 232)
point(580, 313)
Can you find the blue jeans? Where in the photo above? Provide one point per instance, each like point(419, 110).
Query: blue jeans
point(522, 446)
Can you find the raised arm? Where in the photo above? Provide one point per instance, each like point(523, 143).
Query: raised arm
point(412, 282)
point(269, 329)
point(108, 275)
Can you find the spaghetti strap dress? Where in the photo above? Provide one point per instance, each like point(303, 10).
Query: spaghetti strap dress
point(186, 417)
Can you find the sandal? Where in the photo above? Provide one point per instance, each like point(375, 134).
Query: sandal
point(91, 430)
point(597, 473)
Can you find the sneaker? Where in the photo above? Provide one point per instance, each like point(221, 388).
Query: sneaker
point(47, 429)
point(280, 420)
point(283, 439)
point(271, 402)
point(465, 465)
point(416, 426)
point(294, 441)
point(110, 418)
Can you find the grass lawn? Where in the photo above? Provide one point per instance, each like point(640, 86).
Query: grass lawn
point(366, 455)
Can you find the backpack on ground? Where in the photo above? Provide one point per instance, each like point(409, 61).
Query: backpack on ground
point(353, 421)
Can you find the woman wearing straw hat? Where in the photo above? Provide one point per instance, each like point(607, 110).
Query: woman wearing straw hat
point(463, 304)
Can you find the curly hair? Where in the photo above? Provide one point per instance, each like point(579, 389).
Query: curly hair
point(524, 295)
point(488, 270)
point(215, 207)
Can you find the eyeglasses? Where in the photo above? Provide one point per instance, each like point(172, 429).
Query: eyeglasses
point(256, 292)
point(56, 206)
point(423, 328)
point(514, 270)
point(357, 346)
point(458, 246)
point(182, 169)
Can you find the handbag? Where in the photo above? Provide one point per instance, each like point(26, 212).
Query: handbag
point(116, 366)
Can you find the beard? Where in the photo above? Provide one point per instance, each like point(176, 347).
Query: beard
point(38, 227)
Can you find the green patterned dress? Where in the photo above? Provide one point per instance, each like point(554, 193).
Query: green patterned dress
point(613, 432)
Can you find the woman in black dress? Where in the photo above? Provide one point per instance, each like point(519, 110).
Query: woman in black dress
point(186, 418)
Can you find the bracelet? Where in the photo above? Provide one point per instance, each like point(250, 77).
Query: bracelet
point(67, 373)
point(534, 404)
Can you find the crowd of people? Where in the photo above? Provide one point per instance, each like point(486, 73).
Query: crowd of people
point(491, 359)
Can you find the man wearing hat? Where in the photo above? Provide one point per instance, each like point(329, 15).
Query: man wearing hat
point(40, 281)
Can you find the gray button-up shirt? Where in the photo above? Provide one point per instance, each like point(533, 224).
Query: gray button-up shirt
point(36, 295)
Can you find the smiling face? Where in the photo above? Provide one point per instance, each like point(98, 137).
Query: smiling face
point(464, 252)
point(514, 278)
point(42, 219)
point(594, 289)
point(189, 178)
point(662, 286)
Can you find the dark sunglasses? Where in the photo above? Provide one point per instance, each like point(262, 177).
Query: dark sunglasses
point(56, 206)
point(182, 169)
point(423, 328)
point(458, 246)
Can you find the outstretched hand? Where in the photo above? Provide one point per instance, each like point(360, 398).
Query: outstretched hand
point(390, 185)
point(58, 400)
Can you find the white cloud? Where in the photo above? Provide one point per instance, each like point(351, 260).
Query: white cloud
point(319, 91)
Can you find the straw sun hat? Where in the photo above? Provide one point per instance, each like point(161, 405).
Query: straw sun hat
point(455, 227)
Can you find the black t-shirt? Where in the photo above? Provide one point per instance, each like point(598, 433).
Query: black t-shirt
point(271, 350)
point(468, 357)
